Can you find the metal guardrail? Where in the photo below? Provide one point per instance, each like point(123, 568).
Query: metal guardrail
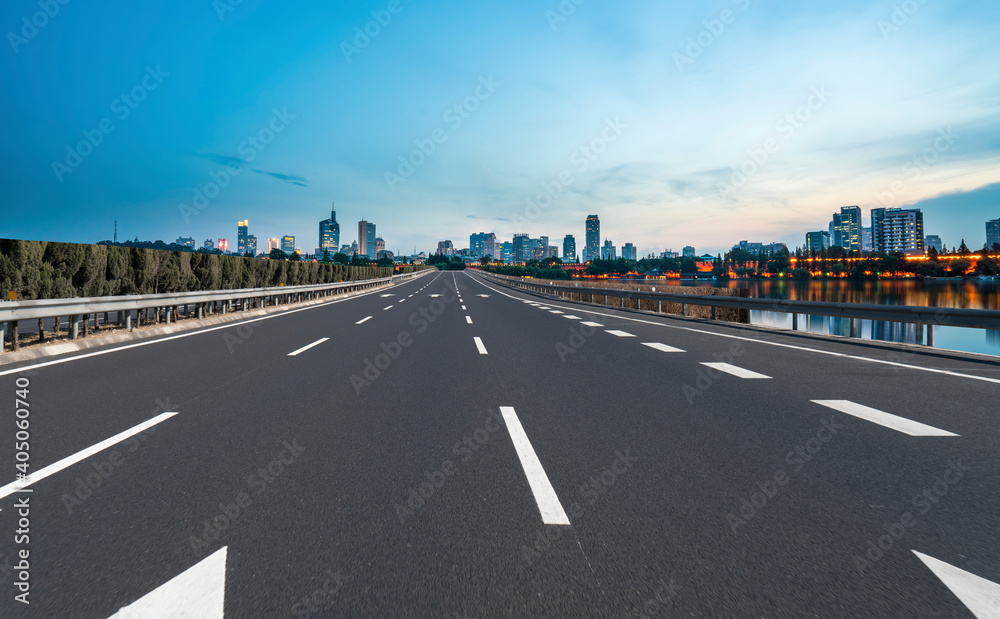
point(918, 315)
point(164, 306)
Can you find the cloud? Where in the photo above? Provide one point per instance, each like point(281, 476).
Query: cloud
point(221, 159)
point(288, 178)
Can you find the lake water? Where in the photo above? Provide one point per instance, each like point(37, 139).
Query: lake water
point(965, 294)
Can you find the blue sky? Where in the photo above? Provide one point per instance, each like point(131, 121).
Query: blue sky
point(644, 112)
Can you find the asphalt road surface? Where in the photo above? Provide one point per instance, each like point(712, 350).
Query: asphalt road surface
point(451, 447)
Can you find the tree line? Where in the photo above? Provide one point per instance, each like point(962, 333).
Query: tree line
point(49, 270)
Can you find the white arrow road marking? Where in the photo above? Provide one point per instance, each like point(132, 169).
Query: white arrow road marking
point(900, 424)
point(68, 461)
point(199, 591)
point(545, 495)
point(979, 595)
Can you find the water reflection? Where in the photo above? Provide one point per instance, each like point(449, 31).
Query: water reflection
point(965, 294)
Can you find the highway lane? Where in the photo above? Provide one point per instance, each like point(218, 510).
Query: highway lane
point(653, 536)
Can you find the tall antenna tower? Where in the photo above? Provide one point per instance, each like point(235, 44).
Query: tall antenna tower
point(116, 231)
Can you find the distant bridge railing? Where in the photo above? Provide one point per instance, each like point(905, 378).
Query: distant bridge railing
point(166, 308)
point(921, 316)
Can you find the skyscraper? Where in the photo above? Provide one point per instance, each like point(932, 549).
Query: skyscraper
point(897, 229)
point(817, 241)
point(608, 252)
point(521, 249)
point(379, 245)
point(366, 239)
point(933, 240)
point(242, 228)
point(273, 244)
point(288, 244)
point(251, 247)
point(569, 248)
point(629, 252)
point(992, 232)
point(592, 248)
point(477, 243)
point(329, 234)
point(845, 230)
point(689, 251)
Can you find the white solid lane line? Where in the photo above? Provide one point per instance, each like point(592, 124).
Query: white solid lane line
point(363, 320)
point(735, 371)
point(619, 333)
point(592, 324)
point(386, 308)
point(479, 345)
point(468, 319)
point(545, 495)
point(305, 348)
point(661, 347)
point(42, 473)
point(900, 424)
point(979, 595)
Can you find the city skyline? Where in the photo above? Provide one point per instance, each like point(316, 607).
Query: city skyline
point(845, 106)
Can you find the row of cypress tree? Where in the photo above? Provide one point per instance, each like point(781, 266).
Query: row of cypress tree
point(49, 270)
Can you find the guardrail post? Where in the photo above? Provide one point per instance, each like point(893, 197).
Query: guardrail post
point(128, 320)
point(930, 335)
point(3, 337)
point(41, 330)
point(713, 312)
point(74, 328)
point(795, 321)
point(15, 344)
point(684, 309)
point(854, 329)
point(86, 325)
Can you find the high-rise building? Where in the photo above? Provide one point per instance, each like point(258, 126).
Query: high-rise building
point(592, 248)
point(992, 232)
point(569, 248)
point(817, 241)
point(608, 251)
point(379, 245)
point(845, 229)
point(629, 252)
point(933, 240)
point(185, 241)
point(288, 244)
point(366, 239)
point(689, 252)
point(223, 245)
point(209, 244)
point(507, 252)
point(477, 242)
point(897, 229)
point(866, 240)
point(492, 249)
point(273, 244)
point(521, 250)
point(329, 235)
point(242, 231)
point(445, 248)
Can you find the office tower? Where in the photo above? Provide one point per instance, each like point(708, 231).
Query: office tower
point(992, 232)
point(224, 245)
point(608, 252)
point(866, 240)
point(445, 248)
point(689, 252)
point(379, 245)
point(478, 241)
point(507, 252)
point(353, 249)
point(288, 244)
point(569, 248)
point(897, 229)
point(366, 239)
point(845, 229)
point(209, 244)
point(520, 247)
point(492, 249)
point(817, 241)
point(329, 235)
point(186, 241)
point(251, 245)
point(242, 230)
point(933, 240)
point(592, 248)
point(629, 252)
